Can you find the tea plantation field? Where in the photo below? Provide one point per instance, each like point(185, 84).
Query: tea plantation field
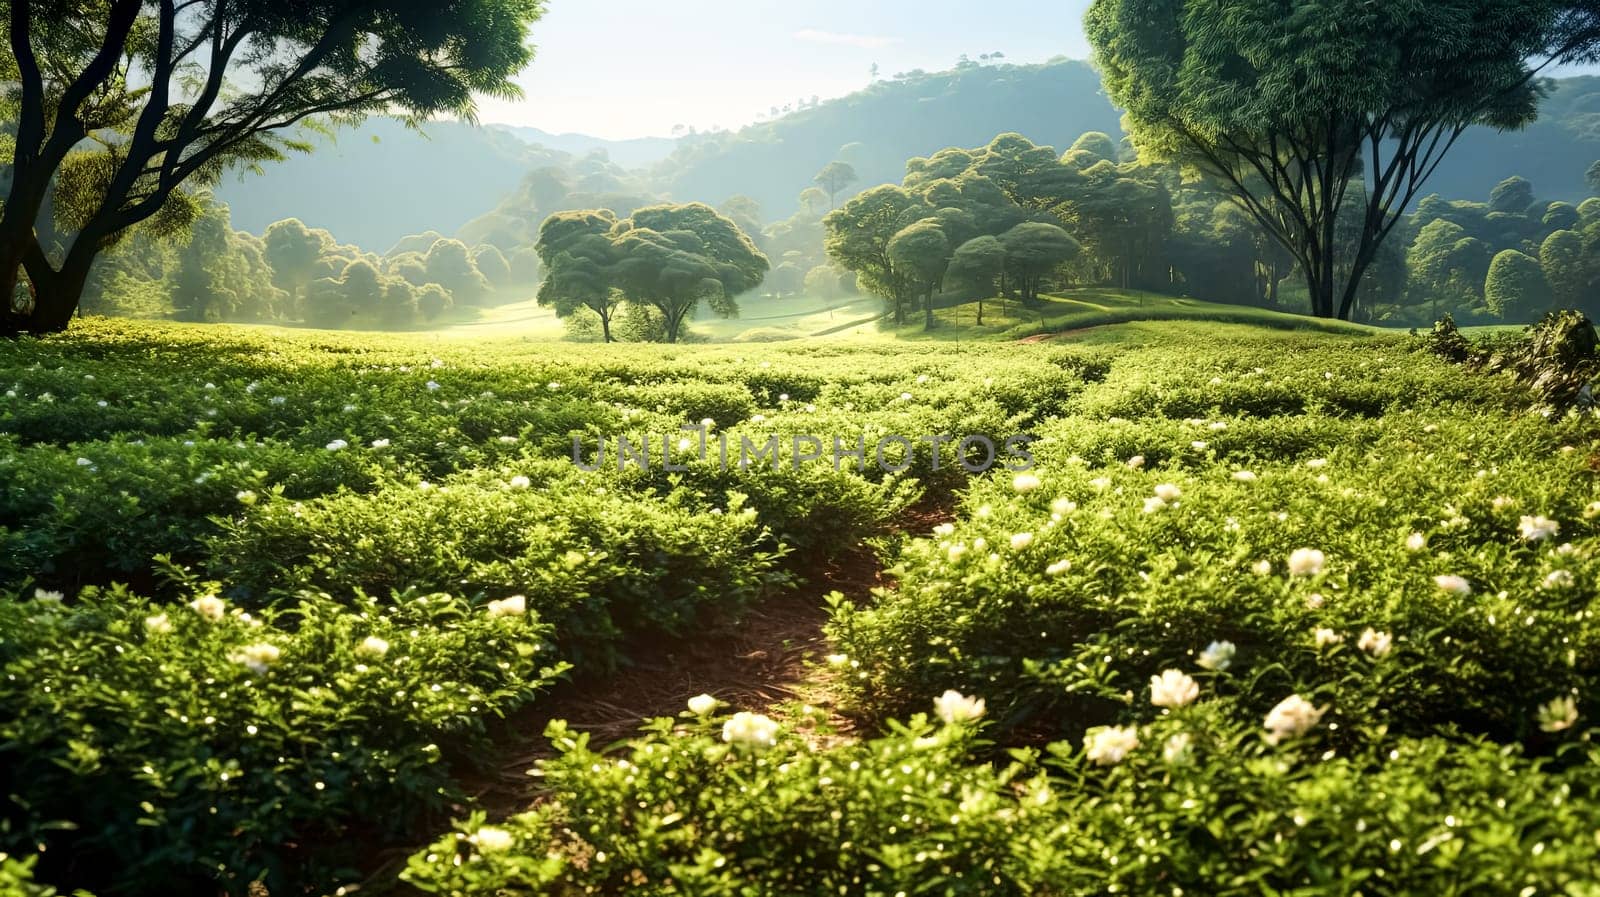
point(1267, 612)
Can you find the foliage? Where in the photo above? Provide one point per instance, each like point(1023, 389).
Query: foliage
point(154, 747)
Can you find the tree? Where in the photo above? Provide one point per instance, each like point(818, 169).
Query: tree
point(1516, 289)
point(1287, 109)
point(1448, 266)
point(673, 257)
point(492, 264)
point(578, 257)
point(1592, 178)
point(858, 235)
point(1512, 196)
point(122, 104)
point(432, 301)
point(835, 177)
point(922, 252)
point(293, 251)
point(1033, 250)
point(979, 261)
point(1567, 268)
point(449, 264)
point(1030, 176)
point(811, 200)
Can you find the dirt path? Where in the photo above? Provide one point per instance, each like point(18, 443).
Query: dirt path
point(770, 661)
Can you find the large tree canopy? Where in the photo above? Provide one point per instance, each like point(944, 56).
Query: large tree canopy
point(1288, 103)
point(119, 104)
point(667, 257)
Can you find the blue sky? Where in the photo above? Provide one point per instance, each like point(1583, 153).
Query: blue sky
point(632, 68)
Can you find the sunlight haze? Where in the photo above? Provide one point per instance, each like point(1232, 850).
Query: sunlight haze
point(634, 69)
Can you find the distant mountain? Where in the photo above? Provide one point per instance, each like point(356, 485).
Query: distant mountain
point(638, 152)
point(373, 185)
point(381, 182)
point(1553, 152)
point(877, 129)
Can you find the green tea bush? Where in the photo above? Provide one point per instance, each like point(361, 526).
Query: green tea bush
point(602, 565)
point(156, 749)
point(1192, 801)
point(1471, 547)
point(89, 513)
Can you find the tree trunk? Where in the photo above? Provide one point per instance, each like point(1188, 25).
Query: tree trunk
point(927, 307)
point(980, 309)
point(605, 325)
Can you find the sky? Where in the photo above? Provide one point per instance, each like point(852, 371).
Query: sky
point(637, 68)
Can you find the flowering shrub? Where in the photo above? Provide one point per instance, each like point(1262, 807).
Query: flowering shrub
point(1187, 802)
point(147, 746)
point(601, 565)
point(1420, 571)
point(705, 806)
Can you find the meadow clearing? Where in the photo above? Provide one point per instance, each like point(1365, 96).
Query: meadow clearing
point(1273, 611)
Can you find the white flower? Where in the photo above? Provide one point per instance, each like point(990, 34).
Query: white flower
point(277, 400)
point(955, 552)
point(837, 660)
point(905, 397)
point(372, 646)
point(1558, 579)
point(520, 482)
point(1326, 638)
point(491, 840)
point(1317, 463)
point(1261, 568)
point(1244, 476)
point(1101, 483)
point(508, 607)
point(48, 597)
point(944, 529)
point(955, 708)
point(85, 462)
point(1136, 462)
point(707, 423)
point(1314, 601)
point(1199, 445)
point(1416, 542)
point(751, 729)
point(338, 445)
point(1173, 688)
point(380, 443)
point(1455, 585)
point(158, 624)
point(1177, 750)
point(1109, 745)
point(1558, 714)
point(1059, 567)
point(1217, 656)
point(1168, 492)
point(433, 385)
point(210, 607)
point(1376, 643)
point(257, 657)
point(1306, 562)
point(246, 497)
point(1021, 541)
point(1025, 483)
point(703, 705)
point(1293, 717)
point(1063, 506)
point(1503, 503)
point(1536, 528)
point(1154, 504)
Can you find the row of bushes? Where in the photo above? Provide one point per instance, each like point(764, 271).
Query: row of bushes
point(1191, 801)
